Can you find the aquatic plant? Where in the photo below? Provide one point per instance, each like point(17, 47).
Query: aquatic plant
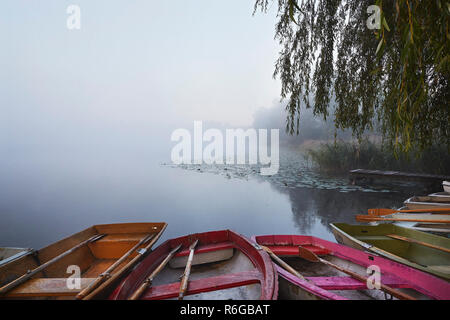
point(342, 156)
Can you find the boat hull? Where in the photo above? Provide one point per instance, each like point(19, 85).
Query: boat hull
point(247, 274)
point(322, 283)
point(375, 239)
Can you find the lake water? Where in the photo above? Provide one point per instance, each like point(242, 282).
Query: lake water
point(45, 197)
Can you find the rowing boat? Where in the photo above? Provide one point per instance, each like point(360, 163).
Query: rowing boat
point(440, 196)
point(317, 281)
point(222, 265)
point(446, 186)
point(407, 217)
point(87, 262)
point(420, 250)
point(427, 202)
point(441, 229)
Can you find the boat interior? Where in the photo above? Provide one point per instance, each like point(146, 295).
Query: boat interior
point(221, 270)
point(221, 263)
point(327, 278)
point(338, 282)
point(98, 247)
point(424, 256)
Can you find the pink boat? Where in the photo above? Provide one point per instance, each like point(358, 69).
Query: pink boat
point(225, 265)
point(322, 281)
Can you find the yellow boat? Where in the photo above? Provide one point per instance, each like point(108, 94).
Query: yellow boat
point(82, 266)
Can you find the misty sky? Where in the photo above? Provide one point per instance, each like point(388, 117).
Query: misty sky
point(135, 67)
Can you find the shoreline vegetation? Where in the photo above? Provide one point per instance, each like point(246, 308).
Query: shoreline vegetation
point(341, 156)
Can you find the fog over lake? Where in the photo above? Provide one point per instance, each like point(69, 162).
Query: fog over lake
point(87, 116)
point(48, 196)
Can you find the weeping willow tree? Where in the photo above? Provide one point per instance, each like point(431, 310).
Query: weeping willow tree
point(394, 76)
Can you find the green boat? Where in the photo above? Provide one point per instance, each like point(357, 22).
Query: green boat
point(427, 252)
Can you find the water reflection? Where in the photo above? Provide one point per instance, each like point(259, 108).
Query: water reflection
point(316, 199)
point(334, 206)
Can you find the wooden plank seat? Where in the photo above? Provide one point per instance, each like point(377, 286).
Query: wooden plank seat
point(206, 248)
point(47, 287)
point(289, 250)
point(349, 283)
point(221, 282)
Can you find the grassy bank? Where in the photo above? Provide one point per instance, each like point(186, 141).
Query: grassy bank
point(340, 157)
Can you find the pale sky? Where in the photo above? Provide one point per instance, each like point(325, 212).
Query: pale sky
point(133, 65)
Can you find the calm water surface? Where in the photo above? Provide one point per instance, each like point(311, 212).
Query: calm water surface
point(44, 198)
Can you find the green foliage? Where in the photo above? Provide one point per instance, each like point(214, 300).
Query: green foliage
point(344, 156)
point(396, 77)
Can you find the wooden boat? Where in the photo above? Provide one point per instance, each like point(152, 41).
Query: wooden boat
point(321, 281)
point(426, 202)
point(224, 265)
point(440, 196)
point(420, 250)
point(446, 186)
point(101, 254)
point(406, 217)
point(8, 254)
point(442, 229)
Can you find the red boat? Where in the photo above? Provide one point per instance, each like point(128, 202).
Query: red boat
point(318, 278)
point(220, 265)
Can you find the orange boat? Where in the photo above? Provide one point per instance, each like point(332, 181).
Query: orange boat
point(82, 266)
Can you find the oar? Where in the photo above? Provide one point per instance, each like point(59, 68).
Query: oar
point(383, 212)
point(283, 264)
point(394, 236)
point(119, 273)
point(365, 218)
point(187, 271)
point(311, 256)
point(148, 282)
point(31, 273)
point(107, 273)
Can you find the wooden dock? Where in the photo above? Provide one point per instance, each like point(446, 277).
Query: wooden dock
point(370, 175)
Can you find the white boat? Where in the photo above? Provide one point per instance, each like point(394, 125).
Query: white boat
point(440, 196)
point(442, 229)
point(426, 202)
point(446, 185)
